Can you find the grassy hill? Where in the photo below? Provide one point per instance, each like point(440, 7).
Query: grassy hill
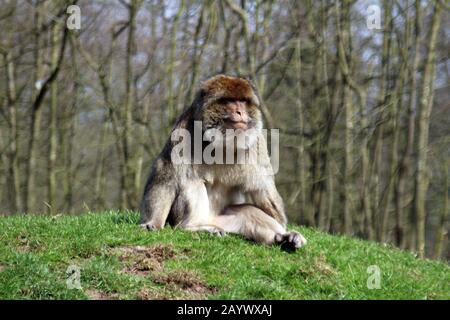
point(118, 260)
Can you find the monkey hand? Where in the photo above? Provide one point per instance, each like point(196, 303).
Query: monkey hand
point(208, 228)
point(290, 241)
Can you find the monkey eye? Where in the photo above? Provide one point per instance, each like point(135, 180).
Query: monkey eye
point(226, 100)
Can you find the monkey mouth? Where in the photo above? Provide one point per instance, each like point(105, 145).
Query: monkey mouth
point(233, 124)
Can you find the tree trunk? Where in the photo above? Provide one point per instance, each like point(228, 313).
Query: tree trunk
point(170, 68)
point(69, 134)
point(441, 231)
point(30, 170)
point(300, 192)
point(344, 55)
point(51, 178)
point(13, 131)
point(424, 110)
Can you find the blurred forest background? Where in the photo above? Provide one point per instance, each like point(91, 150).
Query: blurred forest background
point(363, 112)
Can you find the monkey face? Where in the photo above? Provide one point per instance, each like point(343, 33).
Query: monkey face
point(237, 116)
point(230, 103)
point(234, 123)
point(230, 113)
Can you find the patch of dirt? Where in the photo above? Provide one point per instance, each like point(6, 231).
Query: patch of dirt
point(25, 244)
point(186, 281)
point(95, 294)
point(149, 261)
point(2, 268)
point(141, 260)
point(151, 294)
point(323, 267)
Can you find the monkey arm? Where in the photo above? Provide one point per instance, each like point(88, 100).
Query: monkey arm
point(270, 201)
point(265, 196)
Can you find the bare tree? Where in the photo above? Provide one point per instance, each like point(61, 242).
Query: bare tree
point(424, 110)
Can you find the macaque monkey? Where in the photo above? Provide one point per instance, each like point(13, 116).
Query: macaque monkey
point(219, 197)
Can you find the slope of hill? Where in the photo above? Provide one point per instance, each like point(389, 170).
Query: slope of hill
point(44, 257)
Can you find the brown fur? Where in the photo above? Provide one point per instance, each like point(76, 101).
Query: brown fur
point(222, 86)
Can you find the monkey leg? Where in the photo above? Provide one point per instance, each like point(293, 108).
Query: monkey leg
point(156, 204)
point(191, 210)
point(269, 201)
point(256, 225)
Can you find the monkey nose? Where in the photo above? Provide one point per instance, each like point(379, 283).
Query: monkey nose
point(239, 116)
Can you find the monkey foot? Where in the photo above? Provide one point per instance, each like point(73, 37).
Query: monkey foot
point(148, 226)
point(290, 241)
point(217, 232)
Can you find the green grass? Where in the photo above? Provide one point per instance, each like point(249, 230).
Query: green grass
point(35, 253)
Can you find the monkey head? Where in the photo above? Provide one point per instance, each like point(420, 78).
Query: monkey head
point(227, 104)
